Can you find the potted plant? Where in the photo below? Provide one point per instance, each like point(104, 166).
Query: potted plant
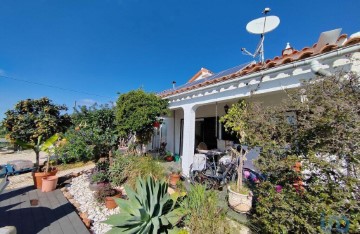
point(45, 147)
point(50, 180)
point(168, 157)
point(100, 176)
point(240, 196)
point(106, 195)
point(174, 176)
point(98, 180)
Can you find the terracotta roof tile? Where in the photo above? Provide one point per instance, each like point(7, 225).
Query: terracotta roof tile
point(199, 73)
point(342, 38)
point(276, 58)
point(306, 48)
point(244, 72)
point(352, 41)
point(287, 60)
point(271, 64)
point(256, 68)
point(305, 54)
point(327, 48)
point(295, 55)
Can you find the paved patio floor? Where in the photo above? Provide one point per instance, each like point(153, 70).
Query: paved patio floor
point(53, 214)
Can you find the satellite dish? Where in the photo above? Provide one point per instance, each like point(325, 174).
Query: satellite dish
point(263, 25)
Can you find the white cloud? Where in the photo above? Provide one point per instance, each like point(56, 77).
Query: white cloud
point(85, 102)
point(2, 72)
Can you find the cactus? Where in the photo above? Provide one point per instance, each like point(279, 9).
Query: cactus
point(148, 210)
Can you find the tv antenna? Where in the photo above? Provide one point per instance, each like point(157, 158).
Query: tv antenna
point(261, 26)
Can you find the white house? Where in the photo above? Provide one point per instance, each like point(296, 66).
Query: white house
point(197, 105)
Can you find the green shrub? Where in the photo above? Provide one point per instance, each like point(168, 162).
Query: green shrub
point(102, 166)
point(97, 125)
point(121, 168)
point(76, 148)
point(100, 176)
point(319, 133)
point(93, 136)
point(148, 166)
point(126, 168)
point(101, 172)
point(149, 210)
point(182, 231)
point(204, 214)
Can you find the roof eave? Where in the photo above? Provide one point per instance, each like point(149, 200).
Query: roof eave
point(334, 53)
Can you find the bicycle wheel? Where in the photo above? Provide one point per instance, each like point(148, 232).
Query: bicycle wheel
point(198, 177)
point(193, 174)
point(209, 170)
point(205, 181)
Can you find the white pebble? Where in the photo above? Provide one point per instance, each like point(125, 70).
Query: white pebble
point(79, 189)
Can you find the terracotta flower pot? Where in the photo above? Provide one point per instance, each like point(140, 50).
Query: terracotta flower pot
point(110, 202)
point(169, 158)
point(156, 124)
point(174, 178)
point(239, 202)
point(38, 176)
point(49, 183)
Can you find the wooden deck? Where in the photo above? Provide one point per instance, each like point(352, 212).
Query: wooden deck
point(53, 214)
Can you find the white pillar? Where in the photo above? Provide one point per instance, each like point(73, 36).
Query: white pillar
point(188, 138)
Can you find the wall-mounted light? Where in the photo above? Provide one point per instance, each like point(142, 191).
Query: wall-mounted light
point(226, 108)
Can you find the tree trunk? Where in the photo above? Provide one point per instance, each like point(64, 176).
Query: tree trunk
point(239, 171)
point(111, 159)
point(37, 163)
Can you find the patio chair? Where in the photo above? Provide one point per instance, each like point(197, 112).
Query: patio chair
point(199, 163)
point(202, 148)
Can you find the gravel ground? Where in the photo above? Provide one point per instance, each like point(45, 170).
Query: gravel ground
point(6, 156)
point(87, 205)
point(25, 179)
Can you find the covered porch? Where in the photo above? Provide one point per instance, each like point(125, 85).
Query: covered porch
point(190, 125)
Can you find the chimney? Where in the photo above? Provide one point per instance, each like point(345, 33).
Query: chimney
point(288, 50)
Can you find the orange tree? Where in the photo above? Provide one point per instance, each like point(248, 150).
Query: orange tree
point(34, 121)
point(314, 156)
point(2, 131)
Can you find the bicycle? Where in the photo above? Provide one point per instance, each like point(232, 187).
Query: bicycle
point(215, 181)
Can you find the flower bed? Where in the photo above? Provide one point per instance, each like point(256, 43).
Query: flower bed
point(91, 212)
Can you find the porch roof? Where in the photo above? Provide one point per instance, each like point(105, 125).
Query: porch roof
point(288, 55)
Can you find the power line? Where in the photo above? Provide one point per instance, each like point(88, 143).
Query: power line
point(53, 86)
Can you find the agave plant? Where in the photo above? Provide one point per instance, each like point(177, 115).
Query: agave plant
point(148, 210)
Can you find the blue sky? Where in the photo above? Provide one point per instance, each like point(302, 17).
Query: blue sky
point(102, 47)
